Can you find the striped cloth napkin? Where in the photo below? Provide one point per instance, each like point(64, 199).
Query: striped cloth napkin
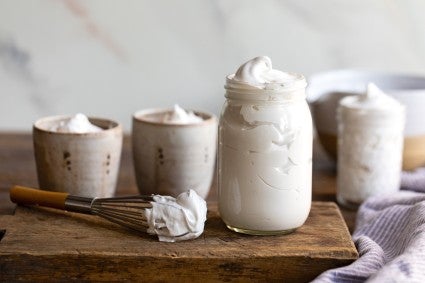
point(389, 236)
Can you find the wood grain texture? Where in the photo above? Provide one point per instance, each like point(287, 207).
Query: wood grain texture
point(49, 245)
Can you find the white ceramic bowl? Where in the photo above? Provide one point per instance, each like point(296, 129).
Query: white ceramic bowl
point(326, 89)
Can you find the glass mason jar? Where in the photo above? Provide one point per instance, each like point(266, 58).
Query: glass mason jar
point(265, 158)
point(370, 151)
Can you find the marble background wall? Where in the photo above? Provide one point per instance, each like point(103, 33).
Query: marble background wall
point(110, 58)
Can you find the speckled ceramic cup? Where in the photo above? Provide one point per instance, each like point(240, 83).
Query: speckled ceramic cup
point(172, 158)
point(80, 164)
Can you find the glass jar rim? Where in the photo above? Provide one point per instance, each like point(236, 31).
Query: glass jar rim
point(299, 81)
point(270, 92)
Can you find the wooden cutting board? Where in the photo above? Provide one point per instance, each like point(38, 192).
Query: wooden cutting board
point(49, 245)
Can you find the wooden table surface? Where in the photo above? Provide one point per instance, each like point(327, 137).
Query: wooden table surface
point(17, 167)
point(40, 245)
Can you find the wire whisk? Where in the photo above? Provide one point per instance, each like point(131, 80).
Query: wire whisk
point(126, 211)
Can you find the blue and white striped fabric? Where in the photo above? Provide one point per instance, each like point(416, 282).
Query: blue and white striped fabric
point(389, 236)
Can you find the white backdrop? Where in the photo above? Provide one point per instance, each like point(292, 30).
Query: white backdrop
point(110, 58)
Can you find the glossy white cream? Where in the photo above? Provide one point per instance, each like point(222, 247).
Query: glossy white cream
point(79, 124)
point(370, 144)
point(265, 150)
point(177, 219)
point(180, 116)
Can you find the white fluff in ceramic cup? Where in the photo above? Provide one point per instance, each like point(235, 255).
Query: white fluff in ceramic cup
point(174, 150)
point(78, 155)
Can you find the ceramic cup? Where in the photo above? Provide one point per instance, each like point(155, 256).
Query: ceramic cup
point(80, 164)
point(172, 158)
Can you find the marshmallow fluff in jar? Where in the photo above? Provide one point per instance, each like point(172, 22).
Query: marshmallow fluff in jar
point(265, 151)
point(370, 146)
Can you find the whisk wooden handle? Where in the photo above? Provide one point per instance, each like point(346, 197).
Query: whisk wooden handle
point(29, 196)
